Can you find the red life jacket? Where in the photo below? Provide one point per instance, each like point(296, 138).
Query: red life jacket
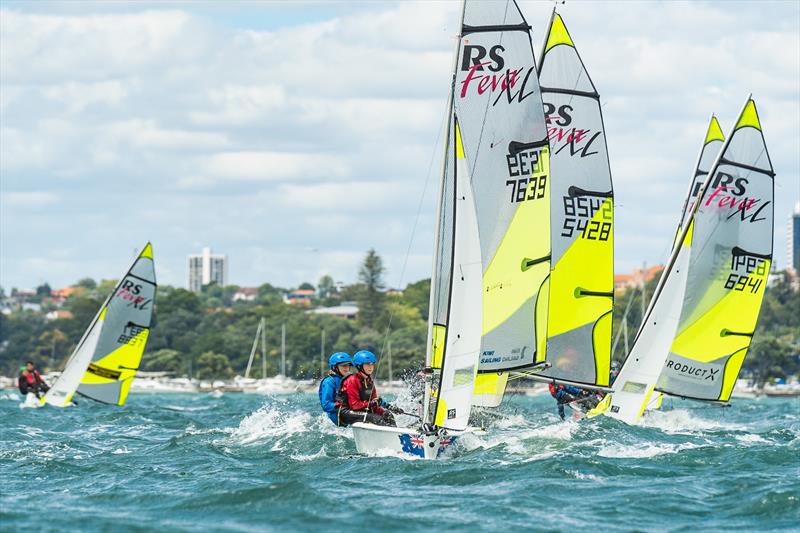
point(32, 377)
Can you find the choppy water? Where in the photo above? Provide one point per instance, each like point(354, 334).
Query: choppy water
point(242, 462)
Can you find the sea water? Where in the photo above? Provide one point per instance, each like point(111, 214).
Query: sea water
point(201, 462)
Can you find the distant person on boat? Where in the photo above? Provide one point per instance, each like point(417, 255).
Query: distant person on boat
point(31, 381)
point(563, 395)
point(340, 364)
point(359, 396)
point(613, 373)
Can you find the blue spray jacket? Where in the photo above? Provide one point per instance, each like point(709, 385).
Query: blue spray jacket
point(328, 388)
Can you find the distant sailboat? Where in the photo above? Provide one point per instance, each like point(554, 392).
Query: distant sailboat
point(702, 317)
point(488, 272)
point(104, 363)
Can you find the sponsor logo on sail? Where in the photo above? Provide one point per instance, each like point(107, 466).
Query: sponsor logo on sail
point(562, 135)
point(698, 372)
point(484, 74)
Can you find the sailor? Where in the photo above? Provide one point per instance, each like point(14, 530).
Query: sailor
point(31, 381)
point(359, 396)
point(613, 373)
point(340, 365)
point(563, 395)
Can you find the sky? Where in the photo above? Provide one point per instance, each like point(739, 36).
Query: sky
point(295, 136)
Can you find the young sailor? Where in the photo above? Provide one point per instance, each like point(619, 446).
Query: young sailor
point(340, 364)
point(359, 397)
point(31, 381)
point(563, 395)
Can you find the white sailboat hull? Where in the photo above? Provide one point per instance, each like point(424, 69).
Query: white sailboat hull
point(31, 402)
point(371, 439)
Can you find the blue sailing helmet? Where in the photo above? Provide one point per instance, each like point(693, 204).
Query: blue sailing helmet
point(338, 358)
point(364, 356)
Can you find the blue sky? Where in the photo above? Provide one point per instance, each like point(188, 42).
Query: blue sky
point(293, 136)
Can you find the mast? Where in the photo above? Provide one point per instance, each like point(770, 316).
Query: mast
point(439, 213)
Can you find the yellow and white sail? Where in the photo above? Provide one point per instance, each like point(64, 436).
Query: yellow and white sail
point(497, 107)
point(105, 361)
point(700, 323)
point(582, 232)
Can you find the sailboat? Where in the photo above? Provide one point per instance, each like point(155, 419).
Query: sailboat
point(489, 270)
point(574, 311)
point(708, 153)
point(104, 363)
point(701, 319)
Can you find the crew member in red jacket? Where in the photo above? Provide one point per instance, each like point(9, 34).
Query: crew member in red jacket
point(359, 398)
point(31, 381)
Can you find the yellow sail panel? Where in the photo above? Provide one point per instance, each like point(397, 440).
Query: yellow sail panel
point(708, 352)
point(489, 389)
point(558, 34)
point(749, 117)
point(714, 132)
point(116, 371)
point(521, 281)
point(438, 336)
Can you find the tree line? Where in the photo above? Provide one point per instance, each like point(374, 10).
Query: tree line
point(208, 335)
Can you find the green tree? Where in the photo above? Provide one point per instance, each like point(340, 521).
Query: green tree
point(417, 295)
point(371, 299)
point(86, 283)
point(164, 360)
point(326, 286)
point(212, 365)
point(43, 290)
point(306, 286)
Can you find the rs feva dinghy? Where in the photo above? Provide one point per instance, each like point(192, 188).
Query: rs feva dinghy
point(488, 275)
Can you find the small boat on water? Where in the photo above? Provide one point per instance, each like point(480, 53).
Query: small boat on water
point(703, 314)
point(488, 273)
point(104, 363)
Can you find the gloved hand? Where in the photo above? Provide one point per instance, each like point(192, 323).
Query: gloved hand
point(396, 410)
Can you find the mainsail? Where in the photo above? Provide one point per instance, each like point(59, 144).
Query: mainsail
point(708, 154)
point(498, 140)
point(105, 361)
point(582, 231)
point(700, 323)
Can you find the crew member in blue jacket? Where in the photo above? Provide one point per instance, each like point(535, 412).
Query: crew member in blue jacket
point(564, 394)
point(340, 364)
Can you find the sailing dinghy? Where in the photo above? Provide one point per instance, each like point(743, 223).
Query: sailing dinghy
point(488, 273)
point(701, 320)
point(581, 298)
point(104, 363)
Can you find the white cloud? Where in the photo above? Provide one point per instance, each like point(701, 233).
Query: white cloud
point(78, 96)
point(274, 166)
point(169, 124)
point(31, 199)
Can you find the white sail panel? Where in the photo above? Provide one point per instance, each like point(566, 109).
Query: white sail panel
point(462, 337)
point(60, 394)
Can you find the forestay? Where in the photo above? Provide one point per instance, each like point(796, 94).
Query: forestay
point(104, 364)
point(698, 328)
point(582, 232)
